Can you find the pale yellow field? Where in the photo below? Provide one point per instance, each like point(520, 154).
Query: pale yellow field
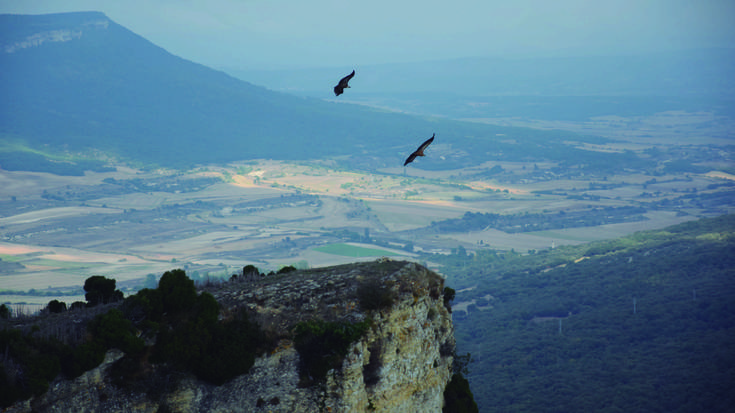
point(221, 236)
point(55, 213)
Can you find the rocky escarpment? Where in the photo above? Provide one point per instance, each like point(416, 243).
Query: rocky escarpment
point(402, 363)
point(51, 29)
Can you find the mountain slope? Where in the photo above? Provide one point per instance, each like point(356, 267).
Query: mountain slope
point(80, 81)
point(106, 86)
point(641, 323)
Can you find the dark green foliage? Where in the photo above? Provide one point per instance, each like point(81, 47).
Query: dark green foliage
point(82, 358)
point(4, 311)
point(473, 221)
point(449, 294)
point(146, 305)
point(671, 355)
point(177, 291)
point(28, 161)
point(189, 335)
point(101, 290)
point(249, 270)
point(25, 368)
point(113, 330)
point(189, 338)
point(373, 294)
point(56, 306)
point(458, 397)
point(684, 166)
point(215, 352)
point(108, 330)
point(30, 362)
point(287, 269)
point(322, 346)
point(232, 350)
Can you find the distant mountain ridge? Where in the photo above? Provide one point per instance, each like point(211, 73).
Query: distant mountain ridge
point(700, 72)
point(79, 80)
point(22, 31)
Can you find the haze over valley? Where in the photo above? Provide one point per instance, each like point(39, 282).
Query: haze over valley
point(271, 179)
point(118, 158)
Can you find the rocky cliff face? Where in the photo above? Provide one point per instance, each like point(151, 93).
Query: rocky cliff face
point(66, 27)
point(401, 364)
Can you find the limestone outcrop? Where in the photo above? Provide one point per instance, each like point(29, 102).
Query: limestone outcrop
point(401, 364)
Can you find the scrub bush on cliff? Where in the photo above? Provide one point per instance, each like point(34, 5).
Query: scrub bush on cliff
point(322, 346)
point(101, 290)
point(190, 337)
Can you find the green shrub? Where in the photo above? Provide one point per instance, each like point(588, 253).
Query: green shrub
point(145, 305)
point(322, 346)
point(250, 270)
point(449, 295)
point(113, 330)
point(83, 358)
point(177, 291)
point(27, 365)
point(458, 397)
point(56, 306)
point(375, 295)
point(215, 352)
point(232, 351)
point(287, 269)
point(101, 290)
point(191, 337)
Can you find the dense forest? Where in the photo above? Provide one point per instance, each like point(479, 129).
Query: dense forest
point(644, 323)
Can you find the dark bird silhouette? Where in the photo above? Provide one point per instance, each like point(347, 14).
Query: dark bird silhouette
point(342, 85)
point(420, 150)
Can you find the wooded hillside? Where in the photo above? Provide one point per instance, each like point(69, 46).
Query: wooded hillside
point(644, 323)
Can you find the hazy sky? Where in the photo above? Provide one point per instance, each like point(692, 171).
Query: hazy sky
point(301, 33)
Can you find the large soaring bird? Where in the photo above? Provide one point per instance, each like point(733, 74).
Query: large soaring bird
point(342, 85)
point(420, 150)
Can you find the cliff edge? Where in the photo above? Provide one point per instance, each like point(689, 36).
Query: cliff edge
point(401, 362)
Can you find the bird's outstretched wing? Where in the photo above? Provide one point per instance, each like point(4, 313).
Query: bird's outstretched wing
point(343, 84)
point(420, 150)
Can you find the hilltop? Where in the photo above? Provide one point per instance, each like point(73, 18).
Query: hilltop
point(353, 338)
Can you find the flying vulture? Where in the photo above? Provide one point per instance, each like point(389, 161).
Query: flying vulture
point(420, 150)
point(342, 85)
